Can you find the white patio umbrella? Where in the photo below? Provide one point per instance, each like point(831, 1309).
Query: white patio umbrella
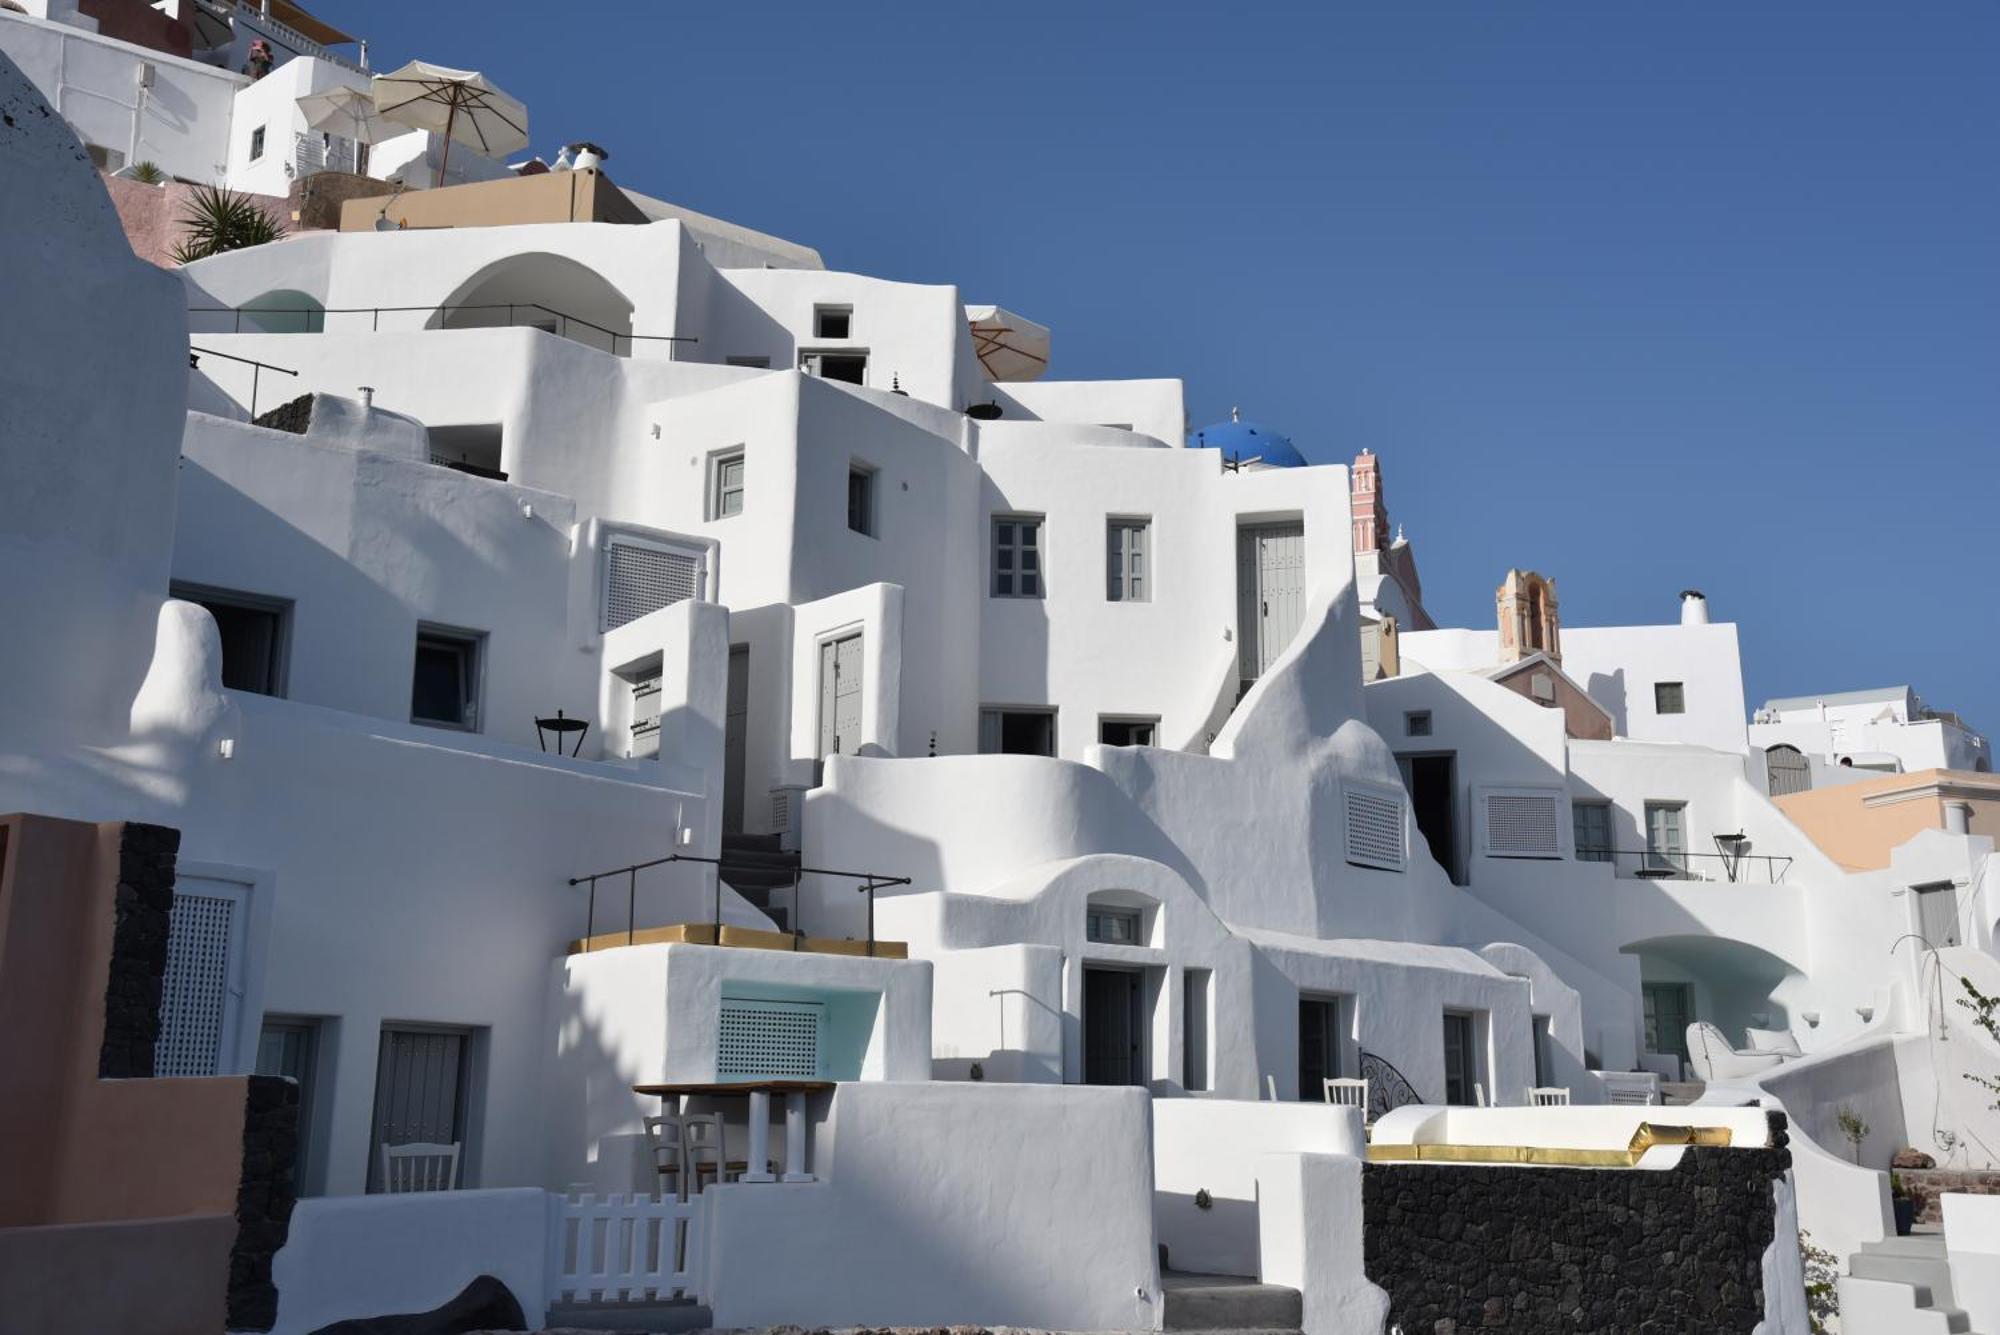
point(459, 104)
point(348, 112)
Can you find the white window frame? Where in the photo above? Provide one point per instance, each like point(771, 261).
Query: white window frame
point(1149, 720)
point(868, 474)
point(998, 714)
point(1095, 914)
point(281, 648)
point(474, 642)
point(1017, 549)
point(1417, 723)
point(258, 138)
point(1673, 861)
point(1680, 690)
point(1128, 559)
point(1553, 795)
point(1610, 849)
point(718, 492)
point(821, 310)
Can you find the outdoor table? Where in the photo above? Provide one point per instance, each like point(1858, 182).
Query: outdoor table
point(760, 1092)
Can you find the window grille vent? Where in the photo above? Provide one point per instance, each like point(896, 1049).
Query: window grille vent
point(1523, 825)
point(641, 577)
point(196, 988)
point(1375, 827)
point(768, 1039)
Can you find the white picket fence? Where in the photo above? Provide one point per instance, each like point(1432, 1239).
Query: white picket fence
point(624, 1248)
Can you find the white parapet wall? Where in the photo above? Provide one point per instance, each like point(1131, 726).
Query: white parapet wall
point(951, 1204)
point(1218, 1146)
point(1309, 1239)
point(1972, 1246)
point(362, 1256)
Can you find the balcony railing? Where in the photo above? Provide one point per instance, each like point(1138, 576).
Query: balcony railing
point(1652, 864)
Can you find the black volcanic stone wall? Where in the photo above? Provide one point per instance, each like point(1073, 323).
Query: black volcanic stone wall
point(294, 417)
point(141, 920)
point(1468, 1247)
point(264, 1199)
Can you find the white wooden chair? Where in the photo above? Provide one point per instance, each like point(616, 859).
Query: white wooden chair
point(1345, 1092)
point(420, 1166)
point(666, 1138)
point(1549, 1096)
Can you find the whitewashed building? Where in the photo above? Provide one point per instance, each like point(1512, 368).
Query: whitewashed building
point(1050, 748)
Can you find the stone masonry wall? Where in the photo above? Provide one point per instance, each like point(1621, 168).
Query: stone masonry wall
point(1471, 1247)
point(264, 1199)
point(1927, 1184)
point(140, 924)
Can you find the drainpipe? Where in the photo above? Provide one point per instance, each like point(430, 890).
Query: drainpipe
point(1958, 817)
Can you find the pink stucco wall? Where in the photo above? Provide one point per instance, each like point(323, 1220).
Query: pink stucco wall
point(152, 213)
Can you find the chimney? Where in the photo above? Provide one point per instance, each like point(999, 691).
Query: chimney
point(367, 397)
point(1694, 608)
point(1958, 817)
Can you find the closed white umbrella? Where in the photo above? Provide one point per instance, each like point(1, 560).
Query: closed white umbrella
point(459, 104)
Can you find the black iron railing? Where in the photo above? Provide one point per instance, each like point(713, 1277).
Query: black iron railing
point(1666, 865)
point(256, 376)
point(871, 882)
point(375, 313)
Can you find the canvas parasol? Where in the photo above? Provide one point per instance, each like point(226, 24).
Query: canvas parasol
point(459, 104)
point(348, 112)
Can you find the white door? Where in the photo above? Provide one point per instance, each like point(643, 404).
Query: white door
point(1270, 593)
point(201, 997)
point(840, 696)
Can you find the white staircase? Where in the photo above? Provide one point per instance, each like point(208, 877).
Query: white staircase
point(1900, 1286)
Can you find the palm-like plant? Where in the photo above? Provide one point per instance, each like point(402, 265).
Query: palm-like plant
point(218, 219)
point(148, 173)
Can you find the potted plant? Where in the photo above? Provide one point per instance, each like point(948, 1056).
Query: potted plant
point(1853, 1128)
point(1904, 1204)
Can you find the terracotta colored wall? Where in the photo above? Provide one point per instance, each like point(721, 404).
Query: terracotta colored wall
point(1860, 836)
point(154, 1278)
point(74, 1148)
point(579, 196)
point(139, 23)
point(152, 216)
point(1581, 718)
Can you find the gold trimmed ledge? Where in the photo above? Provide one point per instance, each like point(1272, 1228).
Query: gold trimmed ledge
point(1645, 1138)
point(742, 938)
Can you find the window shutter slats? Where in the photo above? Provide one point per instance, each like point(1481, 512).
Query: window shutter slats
point(641, 577)
point(1374, 827)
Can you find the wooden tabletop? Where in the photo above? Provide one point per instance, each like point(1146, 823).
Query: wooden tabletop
point(735, 1087)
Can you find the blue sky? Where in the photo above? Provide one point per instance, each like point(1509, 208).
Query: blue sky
point(1639, 295)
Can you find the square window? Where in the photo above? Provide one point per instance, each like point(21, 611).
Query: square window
point(255, 633)
point(257, 143)
point(861, 499)
point(1017, 732)
point(833, 321)
point(848, 367)
point(1417, 723)
point(725, 484)
point(1127, 576)
point(1591, 825)
point(1669, 697)
point(1127, 731)
point(1113, 927)
point(444, 687)
point(1017, 556)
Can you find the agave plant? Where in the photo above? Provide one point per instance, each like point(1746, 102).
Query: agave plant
point(148, 173)
point(219, 219)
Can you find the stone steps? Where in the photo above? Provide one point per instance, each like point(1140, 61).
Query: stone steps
point(1900, 1285)
point(1228, 1303)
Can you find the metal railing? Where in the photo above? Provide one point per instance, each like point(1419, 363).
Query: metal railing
point(375, 313)
point(1662, 865)
point(256, 376)
point(871, 882)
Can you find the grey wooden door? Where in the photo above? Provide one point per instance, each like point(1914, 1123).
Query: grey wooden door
point(420, 1092)
point(1270, 593)
point(840, 696)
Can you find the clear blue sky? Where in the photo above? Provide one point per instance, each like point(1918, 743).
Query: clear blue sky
point(1639, 295)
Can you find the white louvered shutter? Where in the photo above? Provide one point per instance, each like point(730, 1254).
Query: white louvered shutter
point(642, 577)
point(1522, 822)
point(1374, 826)
point(768, 1040)
point(198, 995)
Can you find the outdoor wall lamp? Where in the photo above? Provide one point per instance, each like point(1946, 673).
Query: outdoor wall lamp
point(1811, 1018)
point(1866, 1013)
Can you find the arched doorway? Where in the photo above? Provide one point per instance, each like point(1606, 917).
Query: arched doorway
point(285, 310)
point(1730, 984)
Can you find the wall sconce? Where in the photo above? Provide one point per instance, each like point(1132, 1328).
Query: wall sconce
point(226, 748)
point(1811, 1018)
point(1866, 1013)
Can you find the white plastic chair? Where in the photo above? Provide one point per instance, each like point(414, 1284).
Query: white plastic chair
point(1346, 1092)
point(420, 1166)
point(1549, 1096)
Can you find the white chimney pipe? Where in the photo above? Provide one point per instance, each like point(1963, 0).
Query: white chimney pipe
point(367, 397)
point(1694, 608)
point(1958, 817)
